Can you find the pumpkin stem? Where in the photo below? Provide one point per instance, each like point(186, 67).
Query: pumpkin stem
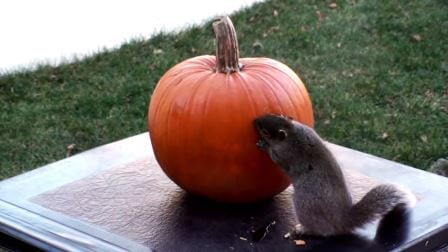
point(227, 51)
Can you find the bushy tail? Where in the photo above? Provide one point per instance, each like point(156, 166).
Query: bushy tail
point(393, 229)
point(391, 203)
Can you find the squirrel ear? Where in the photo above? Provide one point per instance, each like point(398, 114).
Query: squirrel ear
point(288, 118)
point(282, 134)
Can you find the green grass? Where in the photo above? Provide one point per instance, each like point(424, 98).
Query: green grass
point(374, 87)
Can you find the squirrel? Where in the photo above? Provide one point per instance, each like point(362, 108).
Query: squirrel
point(322, 202)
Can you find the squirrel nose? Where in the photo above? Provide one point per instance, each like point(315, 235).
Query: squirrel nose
point(262, 144)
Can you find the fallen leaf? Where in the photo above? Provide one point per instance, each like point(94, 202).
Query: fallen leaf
point(394, 115)
point(300, 242)
point(271, 30)
point(320, 16)
point(417, 37)
point(157, 51)
point(333, 6)
point(333, 114)
point(429, 94)
point(424, 138)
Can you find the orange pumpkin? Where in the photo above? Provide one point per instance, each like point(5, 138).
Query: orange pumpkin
point(201, 116)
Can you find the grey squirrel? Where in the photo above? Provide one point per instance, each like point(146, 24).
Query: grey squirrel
point(321, 198)
point(440, 167)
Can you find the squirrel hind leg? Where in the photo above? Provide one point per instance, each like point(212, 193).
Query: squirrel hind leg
point(297, 232)
point(300, 232)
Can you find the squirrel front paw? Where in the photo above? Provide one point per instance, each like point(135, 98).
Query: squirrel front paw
point(298, 231)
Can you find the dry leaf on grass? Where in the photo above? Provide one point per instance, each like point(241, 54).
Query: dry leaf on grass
point(424, 138)
point(299, 242)
point(417, 37)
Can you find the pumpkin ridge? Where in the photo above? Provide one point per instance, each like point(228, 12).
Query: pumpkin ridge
point(243, 84)
point(202, 64)
point(281, 67)
point(172, 106)
point(266, 83)
point(204, 83)
point(252, 73)
point(199, 83)
point(287, 94)
point(167, 87)
point(157, 100)
point(207, 95)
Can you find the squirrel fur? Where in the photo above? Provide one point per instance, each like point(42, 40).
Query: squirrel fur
point(322, 201)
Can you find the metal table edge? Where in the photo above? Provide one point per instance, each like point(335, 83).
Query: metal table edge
point(432, 241)
point(34, 229)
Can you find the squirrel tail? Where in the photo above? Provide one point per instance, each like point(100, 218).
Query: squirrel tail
point(393, 229)
point(392, 203)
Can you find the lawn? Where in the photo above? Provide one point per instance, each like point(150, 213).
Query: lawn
point(377, 72)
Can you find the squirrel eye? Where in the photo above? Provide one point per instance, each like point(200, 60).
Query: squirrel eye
point(282, 134)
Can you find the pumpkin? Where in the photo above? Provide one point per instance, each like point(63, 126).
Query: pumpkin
point(201, 114)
